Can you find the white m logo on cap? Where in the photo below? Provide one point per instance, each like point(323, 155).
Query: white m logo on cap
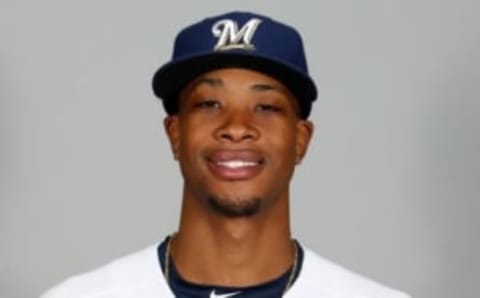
point(229, 37)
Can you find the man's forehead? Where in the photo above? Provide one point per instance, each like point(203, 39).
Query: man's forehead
point(219, 78)
point(255, 81)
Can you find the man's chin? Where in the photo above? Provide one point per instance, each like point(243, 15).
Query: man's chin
point(235, 209)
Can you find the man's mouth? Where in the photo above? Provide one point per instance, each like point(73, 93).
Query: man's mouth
point(235, 165)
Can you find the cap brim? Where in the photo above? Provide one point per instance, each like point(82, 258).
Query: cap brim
point(172, 77)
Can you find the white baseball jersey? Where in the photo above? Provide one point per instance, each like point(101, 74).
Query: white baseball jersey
point(139, 276)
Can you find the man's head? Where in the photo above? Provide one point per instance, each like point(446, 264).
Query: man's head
point(237, 111)
point(237, 136)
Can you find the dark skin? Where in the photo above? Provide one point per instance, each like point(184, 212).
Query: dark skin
point(238, 137)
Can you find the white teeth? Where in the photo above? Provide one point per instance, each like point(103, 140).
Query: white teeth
point(235, 164)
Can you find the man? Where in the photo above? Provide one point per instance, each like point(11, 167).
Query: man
point(238, 96)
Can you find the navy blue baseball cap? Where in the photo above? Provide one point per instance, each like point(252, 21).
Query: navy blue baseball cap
point(236, 39)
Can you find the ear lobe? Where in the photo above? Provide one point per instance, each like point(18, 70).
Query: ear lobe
point(170, 124)
point(304, 135)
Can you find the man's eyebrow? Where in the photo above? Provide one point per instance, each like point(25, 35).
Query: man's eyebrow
point(263, 87)
point(270, 87)
point(214, 82)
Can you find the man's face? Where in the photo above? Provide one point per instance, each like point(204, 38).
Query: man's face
point(237, 136)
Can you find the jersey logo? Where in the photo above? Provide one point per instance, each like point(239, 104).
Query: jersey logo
point(229, 37)
point(213, 295)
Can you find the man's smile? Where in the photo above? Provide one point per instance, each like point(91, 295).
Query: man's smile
point(235, 164)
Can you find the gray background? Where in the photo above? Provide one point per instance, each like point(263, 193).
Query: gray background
point(390, 187)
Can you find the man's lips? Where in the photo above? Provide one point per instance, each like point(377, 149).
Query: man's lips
point(235, 165)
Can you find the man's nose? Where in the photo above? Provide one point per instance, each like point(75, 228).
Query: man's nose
point(237, 127)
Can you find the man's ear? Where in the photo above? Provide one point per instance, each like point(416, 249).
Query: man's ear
point(304, 135)
point(170, 124)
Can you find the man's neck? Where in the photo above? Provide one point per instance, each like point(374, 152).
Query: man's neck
point(213, 249)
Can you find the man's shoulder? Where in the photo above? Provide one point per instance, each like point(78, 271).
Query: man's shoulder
point(327, 279)
point(135, 273)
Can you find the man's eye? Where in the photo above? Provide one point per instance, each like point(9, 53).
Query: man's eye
point(268, 108)
point(207, 104)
